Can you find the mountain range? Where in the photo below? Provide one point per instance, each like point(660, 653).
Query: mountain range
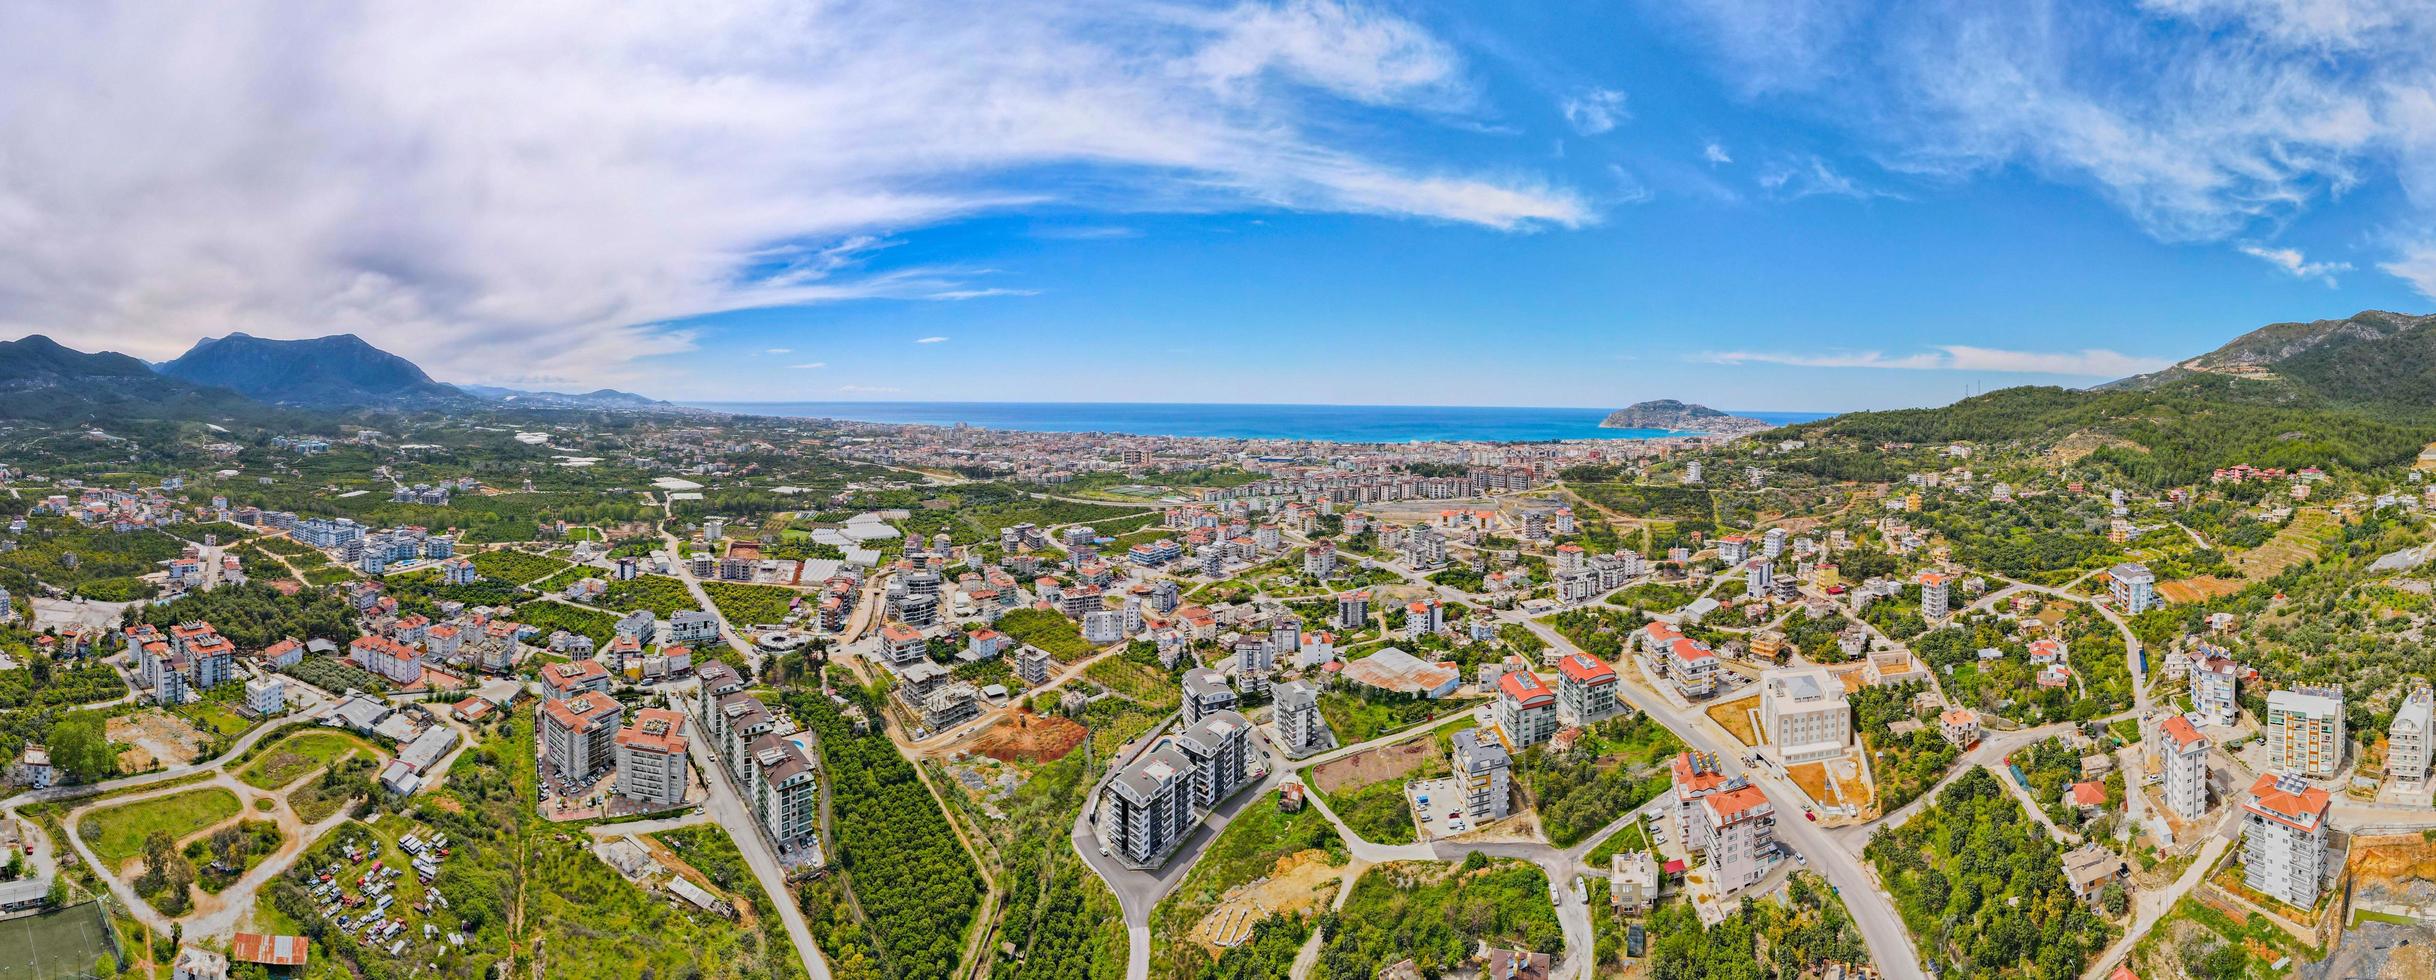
point(245, 377)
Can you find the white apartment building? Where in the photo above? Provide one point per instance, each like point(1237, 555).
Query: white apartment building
point(1585, 690)
point(266, 696)
point(2134, 587)
point(1526, 709)
point(577, 734)
point(2185, 754)
point(2406, 742)
point(2284, 839)
point(1804, 714)
point(1299, 725)
point(1737, 830)
point(2305, 731)
point(1485, 772)
point(651, 761)
point(2214, 683)
point(1933, 596)
point(1696, 776)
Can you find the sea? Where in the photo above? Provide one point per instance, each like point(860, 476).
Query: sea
point(1329, 423)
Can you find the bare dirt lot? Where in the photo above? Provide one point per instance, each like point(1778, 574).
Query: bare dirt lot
point(1385, 762)
point(1300, 882)
point(1031, 738)
point(154, 736)
point(1735, 716)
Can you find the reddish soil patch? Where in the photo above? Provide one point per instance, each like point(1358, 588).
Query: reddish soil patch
point(1031, 738)
point(1384, 762)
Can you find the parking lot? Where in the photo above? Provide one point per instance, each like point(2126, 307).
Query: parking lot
point(383, 903)
point(1437, 807)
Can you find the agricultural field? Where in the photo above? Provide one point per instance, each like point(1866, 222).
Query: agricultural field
point(751, 605)
point(551, 615)
point(516, 567)
point(1147, 686)
point(2297, 542)
point(659, 593)
point(1048, 631)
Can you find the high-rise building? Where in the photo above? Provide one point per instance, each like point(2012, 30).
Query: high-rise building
point(2185, 754)
point(2284, 839)
point(1151, 806)
point(1484, 771)
point(1933, 601)
point(1585, 689)
point(1526, 709)
point(2134, 587)
point(2214, 683)
point(2406, 742)
point(2304, 728)
point(577, 734)
point(1737, 830)
point(651, 761)
point(1299, 725)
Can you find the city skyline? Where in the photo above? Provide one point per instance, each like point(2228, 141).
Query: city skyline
point(1827, 208)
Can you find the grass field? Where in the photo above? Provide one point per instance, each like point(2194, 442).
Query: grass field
point(117, 833)
point(1148, 686)
point(516, 566)
point(57, 945)
point(297, 755)
point(750, 605)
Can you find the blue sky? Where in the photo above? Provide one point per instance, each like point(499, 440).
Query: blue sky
point(1800, 205)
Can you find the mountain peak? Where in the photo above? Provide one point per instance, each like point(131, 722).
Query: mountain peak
point(2369, 356)
point(340, 370)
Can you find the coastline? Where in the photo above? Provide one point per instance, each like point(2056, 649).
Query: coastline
point(1354, 424)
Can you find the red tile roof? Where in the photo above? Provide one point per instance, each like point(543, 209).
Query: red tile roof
point(2304, 811)
point(1526, 687)
point(2179, 729)
point(1582, 668)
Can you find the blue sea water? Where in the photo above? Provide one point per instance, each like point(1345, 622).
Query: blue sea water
point(1333, 423)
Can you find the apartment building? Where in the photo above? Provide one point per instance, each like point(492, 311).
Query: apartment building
point(578, 735)
point(1205, 693)
point(781, 786)
point(2134, 587)
point(1152, 804)
point(388, 658)
point(1933, 596)
point(651, 760)
point(2284, 839)
point(2185, 758)
point(2406, 742)
point(1803, 714)
point(560, 681)
point(1485, 772)
point(2304, 728)
point(1299, 725)
point(2214, 683)
point(1696, 776)
point(1737, 830)
point(1585, 689)
point(1525, 710)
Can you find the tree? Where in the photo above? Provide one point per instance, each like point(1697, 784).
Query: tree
point(2116, 900)
point(81, 750)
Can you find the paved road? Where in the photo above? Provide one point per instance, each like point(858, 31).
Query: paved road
point(1890, 945)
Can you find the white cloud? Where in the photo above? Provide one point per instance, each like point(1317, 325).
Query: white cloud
point(810, 366)
point(2203, 120)
point(2090, 363)
point(2417, 266)
point(1595, 111)
point(1811, 176)
point(2295, 264)
point(1715, 153)
point(779, 350)
point(932, 340)
point(551, 186)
